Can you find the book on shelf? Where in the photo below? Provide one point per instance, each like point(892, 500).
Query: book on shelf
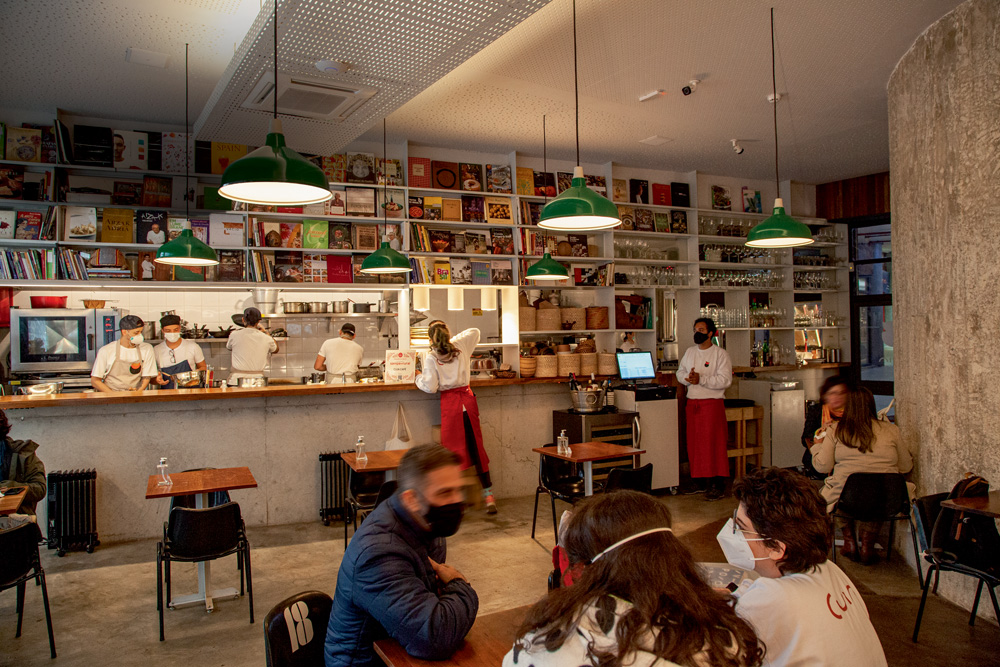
point(288, 209)
point(678, 222)
point(360, 277)
point(366, 237)
point(202, 157)
point(150, 227)
point(503, 240)
point(127, 193)
point(313, 267)
point(156, 191)
point(680, 194)
point(619, 190)
point(440, 240)
point(28, 225)
point(389, 172)
point(181, 189)
point(627, 215)
point(335, 167)
point(154, 156)
point(291, 234)
point(336, 205)
point(341, 236)
point(195, 274)
point(80, 223)
point(225, 230)
point(578, 243)
point(360, 168)
point(661, 221)
point(498, 179)
point(638, 191)
point(480, 273)
point(49, 151)
point(458, 242)
point(419, 239)
point(391, 233)
point(231, 268)
point(131, 149)
point(461, 271)
point(211, 199)
point(442, 272)
point(175, 225)
point(471, 176)
point(392, 203)
point(64, 145)
point(224, 154)
point(145, 266)
point(498, 210)
point(360, 202)
point(525, 181)
point(721, 200)
point(564, 180)
point(545, 184)
point(501, 272)
point(201, 228)
point(531, 212)
point(339, 269)
point(392, 278)
point(473, 208)
point(444, 175)
point(49, 224)
point(287, 267)
point(477, 242)
point(660, 194)
point(29, 264)
point(23, 144)
point(433, 208)
point(117, 225)
point(88, 189)
point(11, 182)
point(451, 209)
point(415, 207)
point(532, 242)
point(418, 172)
point(314, 209)
point(93, 146)
point(597, 184)
point(269, 232)
point(644, 220)
point(7, 221)
point(316, 235)
point(173, 152)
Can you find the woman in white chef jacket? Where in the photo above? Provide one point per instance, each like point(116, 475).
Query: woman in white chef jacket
point(251, 347)
point(128, 364)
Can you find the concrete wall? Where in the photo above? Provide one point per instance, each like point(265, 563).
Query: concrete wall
point(944, 126)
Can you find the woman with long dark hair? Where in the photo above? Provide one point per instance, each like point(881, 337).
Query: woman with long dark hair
point(640, 600)
point(446, 370)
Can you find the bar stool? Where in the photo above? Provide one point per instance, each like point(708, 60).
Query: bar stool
point(739, 448)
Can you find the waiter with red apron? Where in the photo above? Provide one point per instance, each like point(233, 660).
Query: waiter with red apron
point(707, 372)
point(446, 369)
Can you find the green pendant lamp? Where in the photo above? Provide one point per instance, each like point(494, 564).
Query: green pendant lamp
point(578, 208)
point(274, 174)
point(385, 259)
point(780, 230)
point(546, 268)
point(186, 250)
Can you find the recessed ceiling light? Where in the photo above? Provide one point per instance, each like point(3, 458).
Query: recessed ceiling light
point(649, 96)
point(144, 57)
point(332, 66)
point(654, 140)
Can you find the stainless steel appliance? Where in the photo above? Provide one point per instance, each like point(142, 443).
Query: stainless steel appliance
point(660, 437)
point(620, 427)
point(784, 418)
point(59, 340)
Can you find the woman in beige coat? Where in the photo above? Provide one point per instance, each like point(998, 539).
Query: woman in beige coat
point(859, 442)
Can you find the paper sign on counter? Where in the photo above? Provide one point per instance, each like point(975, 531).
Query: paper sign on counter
point(400, 366)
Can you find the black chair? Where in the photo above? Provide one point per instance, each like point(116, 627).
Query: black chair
point(295, 630)
point(940, 552)
point(193, 536)
point(876, 497)
point(560, 479)
point(635, 479)
point(363, 493)
point(19, 564)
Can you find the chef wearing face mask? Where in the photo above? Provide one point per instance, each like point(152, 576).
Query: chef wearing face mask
point(127, 364)
point(174, 354)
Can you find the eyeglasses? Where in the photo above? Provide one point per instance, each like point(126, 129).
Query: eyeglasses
point(736, 526)
point(173, 359)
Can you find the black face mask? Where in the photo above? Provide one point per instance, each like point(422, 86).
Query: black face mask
point(444, 520)
point(700, 337)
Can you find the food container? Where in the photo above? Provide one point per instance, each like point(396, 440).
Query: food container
point(588, 399)
point(189, 379)
point(266, 300)
point(568, 363)
point(563, 347)
point(319, 307)
point(48, 301)
point(597, 317)
point(588, 363)
point(573, 318)
point(607, 364)
point(383, 305)
point(361, 308)
point(93, 303)
point(547, 366)
point(526, 317)
point(339, 306)
point(253, 382)
point(528, 365)
point(43, 388)
point(548, 319)
point(294, 307)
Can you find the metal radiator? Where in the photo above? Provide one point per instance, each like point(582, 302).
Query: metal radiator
point(72, 510)
point(333, 487)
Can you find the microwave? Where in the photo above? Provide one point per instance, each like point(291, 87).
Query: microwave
point(59, 340)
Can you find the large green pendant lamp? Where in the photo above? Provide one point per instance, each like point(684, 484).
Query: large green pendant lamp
point(546, 268)
point(274, 174)
point(186, 250)
point(780, 230)
point(578, 208)
point(385, 259)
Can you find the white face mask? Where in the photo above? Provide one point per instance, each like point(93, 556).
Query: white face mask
point(136, 339)
point(172, 337)
point(629, 539)
point(736, 546)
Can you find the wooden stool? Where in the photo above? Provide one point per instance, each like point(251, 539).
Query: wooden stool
point(739, 448)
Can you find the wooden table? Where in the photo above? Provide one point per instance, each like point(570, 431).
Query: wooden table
point(588, 452)
point(200, 483)
point(386, 462)
point(984, 505)
point(489, 640)
point(11, 501)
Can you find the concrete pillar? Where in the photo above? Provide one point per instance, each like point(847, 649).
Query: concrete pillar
point(944, 133)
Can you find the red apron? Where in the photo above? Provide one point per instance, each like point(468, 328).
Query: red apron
point(707, 435)
point(453, 426)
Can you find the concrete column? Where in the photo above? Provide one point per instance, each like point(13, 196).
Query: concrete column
point(944, 132)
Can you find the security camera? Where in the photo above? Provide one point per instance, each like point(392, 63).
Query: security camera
point(736, 147)
point(691, 87)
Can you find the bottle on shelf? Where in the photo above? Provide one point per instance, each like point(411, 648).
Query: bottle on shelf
point(359, 450)
point(161, 470)
point(573, 384)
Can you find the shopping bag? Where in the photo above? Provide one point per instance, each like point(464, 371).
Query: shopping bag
point(402, 436)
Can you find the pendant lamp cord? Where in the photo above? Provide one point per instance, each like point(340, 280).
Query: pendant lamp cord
point(275, 93)
point(545, 190)
point(385, 181)
point(187, 139)
point(774, 105)
point(576, 83)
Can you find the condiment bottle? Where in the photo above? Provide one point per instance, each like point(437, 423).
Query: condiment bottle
point(359, 448)
point(562, 443)
point(161, 469)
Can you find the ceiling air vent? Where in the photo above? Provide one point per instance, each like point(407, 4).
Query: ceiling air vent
point(307, 97)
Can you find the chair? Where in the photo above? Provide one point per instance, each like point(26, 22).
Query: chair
point(636, 479)
point(215, 498)
point(939, 553)
point(560, 479)
point(363, 495)
point(295, 630)
point(876, 497)
point(197, 535)
point(18, 565)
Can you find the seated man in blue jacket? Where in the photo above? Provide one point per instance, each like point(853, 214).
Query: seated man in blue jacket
point(393, 581)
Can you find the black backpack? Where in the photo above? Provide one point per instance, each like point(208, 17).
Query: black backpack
point(963, 537)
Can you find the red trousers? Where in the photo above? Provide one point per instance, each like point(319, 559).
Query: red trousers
point(453, 425)
point(707, 434)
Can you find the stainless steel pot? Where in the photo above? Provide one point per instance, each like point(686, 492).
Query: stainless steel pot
point(291, 307)
point(44, 388)
point(189, 379)
point(319, 306)
point(383, 306)
point(588, 400)
point(253, 382)
point(340, 307)
point(361, 308)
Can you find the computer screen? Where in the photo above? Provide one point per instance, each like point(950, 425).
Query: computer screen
point(636, 365)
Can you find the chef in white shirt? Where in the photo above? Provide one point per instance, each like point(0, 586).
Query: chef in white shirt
point(251, 347)
point(175, 354)
point(340, 357)
point(127, 364)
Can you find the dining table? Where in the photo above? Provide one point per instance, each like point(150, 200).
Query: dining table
point(11, 500)
point(384, 461)
point(200, 483)
point(586, 453)
point(988, 505)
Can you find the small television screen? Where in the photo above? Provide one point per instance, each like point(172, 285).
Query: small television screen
point(636, 366)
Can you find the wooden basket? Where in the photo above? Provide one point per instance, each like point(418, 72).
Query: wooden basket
point(588, 363)
point(547, 366)
point(528, 365)
point(568, 363)
point(575, 317)
point(607, 364)
point(597, 317)
point(526, 316)
point(548, 319)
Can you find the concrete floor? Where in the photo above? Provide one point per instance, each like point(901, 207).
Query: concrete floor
point(104, 604)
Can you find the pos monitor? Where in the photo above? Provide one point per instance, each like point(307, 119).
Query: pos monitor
point(636, 366)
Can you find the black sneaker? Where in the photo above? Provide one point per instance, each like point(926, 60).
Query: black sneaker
point(715, 493)
point(692, 488)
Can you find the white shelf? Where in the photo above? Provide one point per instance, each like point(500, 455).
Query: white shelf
point(315, 251)
point(215, 286)
point(635, 330)
point(800, 328)
point(741, 265)
point(450, 193)
point(566, 332)
point(803, 267)
point(560, 285)
point(462, 255)
point(331, 316)
point(570, 258)
point(628, 261)
point(804, 290)
point(29, 243)
point(452, 224)
point(364, 219)
point(649, 235)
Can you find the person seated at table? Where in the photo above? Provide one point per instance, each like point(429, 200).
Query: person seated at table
point(858, 442)
point(393, 580)
point(639, 601)
point(21, 467)
point(803, 607)
point(832, 396)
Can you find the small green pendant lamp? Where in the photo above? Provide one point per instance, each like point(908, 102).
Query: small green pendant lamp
point(385, 259)
point(780, 230)
point(274, 174)
point(578, 208)
point(186, 250)
point(546, 268)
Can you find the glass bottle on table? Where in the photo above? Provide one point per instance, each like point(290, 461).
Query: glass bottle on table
point(361, 456)
point(161, 470)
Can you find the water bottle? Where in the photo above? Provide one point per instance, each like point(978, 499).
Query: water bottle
point(161, 469)
point(359, 449)
point(562, 444)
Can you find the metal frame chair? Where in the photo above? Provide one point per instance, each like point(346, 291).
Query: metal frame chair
point(295, 630)
point(637, 479)
point(19, 564)
point(364, 494)
point(876, 497)
point(560, 479)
